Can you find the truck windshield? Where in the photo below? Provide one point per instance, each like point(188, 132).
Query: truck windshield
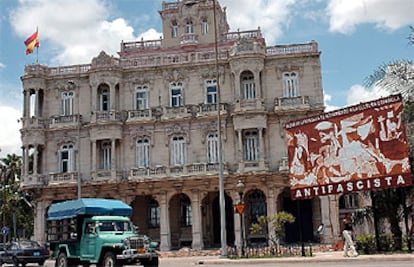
point(108, 226)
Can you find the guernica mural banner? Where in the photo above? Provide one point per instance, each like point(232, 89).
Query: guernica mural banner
point(357, 148)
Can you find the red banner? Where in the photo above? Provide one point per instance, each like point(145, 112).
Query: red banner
point(361, 147)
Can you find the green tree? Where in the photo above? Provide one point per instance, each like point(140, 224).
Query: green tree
point(395, 77)
point(277, 222)
point(17, 215)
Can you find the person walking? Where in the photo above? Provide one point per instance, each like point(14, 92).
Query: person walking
point(346, 230)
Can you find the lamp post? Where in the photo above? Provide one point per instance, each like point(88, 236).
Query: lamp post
point(240, 208)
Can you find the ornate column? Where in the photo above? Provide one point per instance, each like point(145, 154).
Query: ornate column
point(26, 160)
point(197, 224)
point(93, 167)
point(113, 158)
point(35, 159)
point(329, 218)
point(36, 107)
point(40, 221)
point(165, 235)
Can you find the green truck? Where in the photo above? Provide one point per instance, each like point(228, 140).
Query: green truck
point(97, 231)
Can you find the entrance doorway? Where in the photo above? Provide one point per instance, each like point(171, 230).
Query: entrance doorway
point(229, 221)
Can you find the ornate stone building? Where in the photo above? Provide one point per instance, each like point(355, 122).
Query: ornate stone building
point(142, 127)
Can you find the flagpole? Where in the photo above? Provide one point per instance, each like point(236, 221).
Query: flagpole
point(37, 47)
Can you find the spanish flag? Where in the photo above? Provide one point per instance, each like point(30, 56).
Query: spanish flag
point(31, 43)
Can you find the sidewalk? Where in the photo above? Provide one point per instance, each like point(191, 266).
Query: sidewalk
point(333, 256)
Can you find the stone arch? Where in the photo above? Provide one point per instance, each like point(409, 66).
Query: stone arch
point(180, 211)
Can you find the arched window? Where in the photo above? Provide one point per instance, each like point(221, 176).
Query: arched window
point(143, 152)
point(290, 84)
point(174, 29)
point(66, 108)
point(248, 90)
point(204, 26)
point(66, 158)
point(257, 205)
point(189, 28)
point(104, 97)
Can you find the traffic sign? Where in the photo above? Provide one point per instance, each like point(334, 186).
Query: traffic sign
point(240, 208)
point(5, 230)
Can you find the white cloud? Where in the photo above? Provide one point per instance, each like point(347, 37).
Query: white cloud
point(270, 15)
point(77, 30)
point(9, 135)
point(2, 66)
point(345, 15)
point(358, 93)
point(328, 107)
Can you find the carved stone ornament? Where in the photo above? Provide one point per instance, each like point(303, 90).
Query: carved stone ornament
point(103, 60)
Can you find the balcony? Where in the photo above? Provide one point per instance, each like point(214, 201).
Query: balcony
point(140, 115)
point(161, 171)
point(253, 166)
point(106, 116)
point(292, 104)
point(33, 180)
point(65, 121)
point(34, 122)
point(177, 112)
point(63, 178)
point(211, 109)
point(188, 39)
point(243, 105)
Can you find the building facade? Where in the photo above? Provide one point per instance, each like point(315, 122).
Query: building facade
point(143, 127)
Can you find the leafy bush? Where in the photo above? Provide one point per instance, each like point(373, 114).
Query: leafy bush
point(365, 244)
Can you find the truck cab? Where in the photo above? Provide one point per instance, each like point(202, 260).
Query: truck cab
point(104, 236)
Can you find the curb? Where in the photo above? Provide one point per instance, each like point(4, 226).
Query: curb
point(324, 257)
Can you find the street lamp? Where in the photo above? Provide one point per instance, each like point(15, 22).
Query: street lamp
point(240, 208)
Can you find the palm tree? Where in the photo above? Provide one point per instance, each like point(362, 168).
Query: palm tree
point(395, 77)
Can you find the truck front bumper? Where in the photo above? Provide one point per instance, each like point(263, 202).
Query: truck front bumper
point(132, 255)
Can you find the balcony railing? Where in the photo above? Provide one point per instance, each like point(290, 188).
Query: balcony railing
point(283, 104)
point(106, 116)
point(189, 39)
point(178, 170)
point(210, 109)
point(140, 45)
point(311, 47)
point(139, 115)
point(243, 105)
point(65, 120)
point(63, 178)
point(235, 36)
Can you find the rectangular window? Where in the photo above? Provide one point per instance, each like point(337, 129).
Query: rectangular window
point(177, 99)
point(186, 214)
point(154, 217)
point(212, 148)
point(178, 150)
point(141, 98)
point(143, 152)
point(189, 27)
point(211, 86)
point(250, 145)
point(106, 156)
point(204, 27)
point(66, 158)
point(67, 103)
point(104, 100)
point(174, 30)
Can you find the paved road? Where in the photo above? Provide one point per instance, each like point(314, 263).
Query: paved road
point(322, 260)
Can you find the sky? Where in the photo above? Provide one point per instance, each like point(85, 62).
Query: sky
point(355, 37)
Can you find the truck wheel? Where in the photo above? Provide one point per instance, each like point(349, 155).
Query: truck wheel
point(62, 260)
point(109, 260)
